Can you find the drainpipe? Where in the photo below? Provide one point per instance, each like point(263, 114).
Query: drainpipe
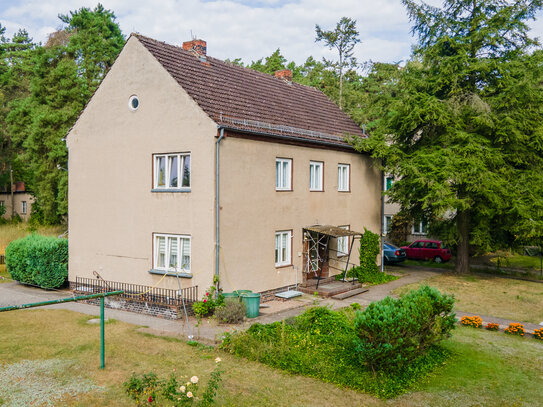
point(217, 208)
point(382, 221)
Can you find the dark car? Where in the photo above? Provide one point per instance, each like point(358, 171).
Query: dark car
point(393, 254)
point(427, 250)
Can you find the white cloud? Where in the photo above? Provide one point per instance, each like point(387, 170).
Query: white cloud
point(249, 29)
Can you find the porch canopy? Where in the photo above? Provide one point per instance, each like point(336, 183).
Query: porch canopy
point(332, 231)
point(318, 240)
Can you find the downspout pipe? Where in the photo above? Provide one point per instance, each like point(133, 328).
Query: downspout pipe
point(382, 221)
point(217, 207)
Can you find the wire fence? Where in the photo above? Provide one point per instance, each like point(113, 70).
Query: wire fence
point(136, 292)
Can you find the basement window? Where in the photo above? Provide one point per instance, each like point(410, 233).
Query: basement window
point(171, 172)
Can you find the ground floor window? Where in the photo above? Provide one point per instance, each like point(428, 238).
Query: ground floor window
point(23, 208)
point(283, 248)
point(420, 227)
point(172, 253)
point(388, 224)
point(343, 243)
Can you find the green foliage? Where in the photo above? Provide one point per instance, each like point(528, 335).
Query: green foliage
point(207, 306)
point(392, 333)
point(231, 312)
point(2, 210)
point(368, 277)
point(369, 250)
point(38, 260)
point(463, 132)
point(142, 387)
point(321, 343)
point(148, 388)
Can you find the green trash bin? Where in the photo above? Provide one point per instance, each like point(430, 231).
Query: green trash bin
point(252, 304)
point(230, 295)
point(240, 292)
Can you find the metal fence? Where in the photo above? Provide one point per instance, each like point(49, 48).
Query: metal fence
point(136, 292)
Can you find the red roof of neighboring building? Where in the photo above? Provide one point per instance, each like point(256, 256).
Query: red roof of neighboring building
point(250, 101)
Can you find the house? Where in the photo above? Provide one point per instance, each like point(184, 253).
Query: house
point(183, 167)
point(17, 202)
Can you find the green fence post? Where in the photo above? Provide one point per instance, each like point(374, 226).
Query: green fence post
point(102, 336)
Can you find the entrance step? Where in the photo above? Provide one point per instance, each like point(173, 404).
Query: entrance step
point(350, 293)
point(331, 289)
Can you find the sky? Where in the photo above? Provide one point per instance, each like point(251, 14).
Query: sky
point(246, 29)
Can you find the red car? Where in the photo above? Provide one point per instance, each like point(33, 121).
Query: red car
point(427, 250)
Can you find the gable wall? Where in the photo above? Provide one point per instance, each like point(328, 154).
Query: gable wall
point(112, 211)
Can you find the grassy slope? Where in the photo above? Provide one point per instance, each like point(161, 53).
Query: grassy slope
point(490, 295)
point(11, 232)
point(487, 368)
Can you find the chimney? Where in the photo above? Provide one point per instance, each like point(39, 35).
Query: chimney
point(285, 74)
point(197, 46)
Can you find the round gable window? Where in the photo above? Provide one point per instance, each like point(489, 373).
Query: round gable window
point(133, 103)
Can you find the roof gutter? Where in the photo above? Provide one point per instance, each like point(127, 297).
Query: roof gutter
point(217, 207)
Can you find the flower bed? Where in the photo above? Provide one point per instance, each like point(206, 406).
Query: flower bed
point(474, 321)
point(515, 328)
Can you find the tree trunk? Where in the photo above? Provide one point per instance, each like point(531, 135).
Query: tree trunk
point(462, 255)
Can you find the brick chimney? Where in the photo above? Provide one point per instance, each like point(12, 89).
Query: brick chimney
point(285, 74)
point(198, 46)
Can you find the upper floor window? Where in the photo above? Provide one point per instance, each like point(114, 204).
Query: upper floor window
point(420, 227)
point(23, 207)
point(171, 171)
point(315, 175)
point(283, 174)
point(2, 204)
point(343, 177)
point(283, 248)
point(388, 183)
point(171, 253)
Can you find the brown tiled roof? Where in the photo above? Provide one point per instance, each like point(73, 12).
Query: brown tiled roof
point(251, 101)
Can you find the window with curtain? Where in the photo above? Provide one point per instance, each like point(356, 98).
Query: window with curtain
point(283, 174)
point(343, 243)
point(283, 248)
point(343, 175)
point(172, 253)
point(315, 175)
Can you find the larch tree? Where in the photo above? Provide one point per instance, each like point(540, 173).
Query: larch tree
point(463, 133)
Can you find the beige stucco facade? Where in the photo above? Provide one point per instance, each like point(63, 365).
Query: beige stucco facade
point(22, 202)
point(113, 212)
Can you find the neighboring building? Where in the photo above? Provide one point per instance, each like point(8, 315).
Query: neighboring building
point(22, 202)
point(417, 230)
point(171, 134)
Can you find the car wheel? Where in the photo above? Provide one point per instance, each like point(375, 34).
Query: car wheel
point(438, 259)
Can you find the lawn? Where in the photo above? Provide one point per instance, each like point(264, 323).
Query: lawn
point(56, 351)
point(4, 274)
point(10, 232)
point(490, 295)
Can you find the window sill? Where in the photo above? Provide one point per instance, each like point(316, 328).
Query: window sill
point(343, 191)
point(174, 190)
point(170, 273)
point(281, 266)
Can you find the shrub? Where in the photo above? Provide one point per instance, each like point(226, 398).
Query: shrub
point(368, 277)
point(538, 334)
point(515, 328)
point(393, 332)
point(369, 250)
point(38, 260)
point(492, 326)
point(207, 306)
point(231, 312)
point(474, 321)
point(142, 389)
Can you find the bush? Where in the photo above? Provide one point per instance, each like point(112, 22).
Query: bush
point(369, 250)
point(515, 328)
point(474, 321)
point(38, 260)
point(207, 306)
point(492, 326)
point(231, 312)
point(368, 277)
point(393, 332)
point(538, 334)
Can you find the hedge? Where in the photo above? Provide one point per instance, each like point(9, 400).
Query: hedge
point(38, 260)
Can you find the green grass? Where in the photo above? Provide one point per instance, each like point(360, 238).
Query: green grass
point(4, 274)
point(421, 263)
point(486, 368)
point(490, 295)
point(531, 263)
point(10, 232)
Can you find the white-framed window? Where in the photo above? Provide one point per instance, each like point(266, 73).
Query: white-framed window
point(171, 253)
point(283, 248)
point(315, 175)
point(171, 171)
point(2, 204)
point(283, 174)
point(343, 244)
point(343, 177)
point(420, 227)
point(387, 224)
point(23, 207)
